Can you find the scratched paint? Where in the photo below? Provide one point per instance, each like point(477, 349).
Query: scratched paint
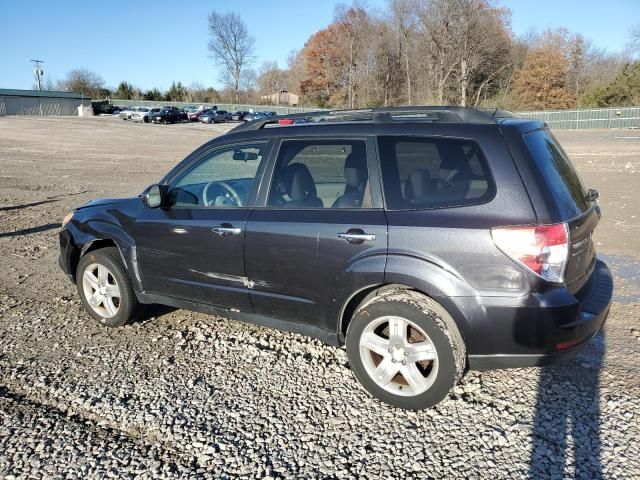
point(233, 278)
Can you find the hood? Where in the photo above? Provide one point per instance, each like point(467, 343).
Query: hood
point(100, 202)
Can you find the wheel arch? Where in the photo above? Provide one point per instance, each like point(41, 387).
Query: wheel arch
point(455, 306)
point(91, 246)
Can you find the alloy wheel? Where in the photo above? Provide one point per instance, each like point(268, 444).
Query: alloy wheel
point(101, 290)
point(398, 355)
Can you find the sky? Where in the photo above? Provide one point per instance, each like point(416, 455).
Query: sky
point(151, 43)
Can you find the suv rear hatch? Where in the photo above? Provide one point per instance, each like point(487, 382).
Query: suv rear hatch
point(575, 205)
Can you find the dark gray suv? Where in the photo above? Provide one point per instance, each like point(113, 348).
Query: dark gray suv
point(428, 240)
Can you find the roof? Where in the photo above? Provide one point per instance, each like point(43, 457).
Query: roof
point(12, 92)
point(414, 114)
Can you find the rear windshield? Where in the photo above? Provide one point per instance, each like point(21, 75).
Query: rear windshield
point(556, 169)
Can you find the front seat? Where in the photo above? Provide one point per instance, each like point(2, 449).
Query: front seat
point(355, 173)
point(300, 187)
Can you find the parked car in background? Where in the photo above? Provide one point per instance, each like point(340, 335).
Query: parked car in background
point(429, 240)
point(104, 107)
point(205, 115)
point(146, 118)
point(214, 116)
point(195, 116)
point(183, 116)
point(127, 112)
point(143, 113)
point(168, 114)
point(190, 109)
point(239, 116)
point(255, 116)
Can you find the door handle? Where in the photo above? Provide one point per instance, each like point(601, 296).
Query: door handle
point(353, 237)
point(226, 230)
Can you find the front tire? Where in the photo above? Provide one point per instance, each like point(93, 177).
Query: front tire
point(105, 288)
point(405, 349)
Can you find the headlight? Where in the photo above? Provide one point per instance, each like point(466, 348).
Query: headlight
point(67, 219)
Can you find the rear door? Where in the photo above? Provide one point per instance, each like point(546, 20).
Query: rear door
point(571, 200)
point(193, 247)
point(322, 233)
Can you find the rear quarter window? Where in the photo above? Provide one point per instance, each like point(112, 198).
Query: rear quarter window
point(421, 172)
point(557, 172)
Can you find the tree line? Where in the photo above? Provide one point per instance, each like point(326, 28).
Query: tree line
point(460, 52)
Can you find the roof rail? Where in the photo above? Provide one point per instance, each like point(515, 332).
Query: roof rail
point(436, 114)
point(498, 113)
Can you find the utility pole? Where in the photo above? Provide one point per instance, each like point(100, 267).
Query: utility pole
point(38, 72)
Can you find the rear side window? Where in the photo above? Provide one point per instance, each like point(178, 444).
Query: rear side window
point(432, 173)
point(558, 173)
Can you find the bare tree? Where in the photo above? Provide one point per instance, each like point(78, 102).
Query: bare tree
point(83, 81)
point(271, 79)
point(232, 47)
point(438, 42)
point(249, 81)
point(634, 39)
point(353, 26)
point(294, 73)
point(404, 18)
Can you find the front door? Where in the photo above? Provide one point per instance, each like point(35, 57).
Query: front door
point(192, 247)
point(322, 235)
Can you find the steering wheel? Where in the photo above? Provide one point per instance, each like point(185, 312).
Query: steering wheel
point(227, 188)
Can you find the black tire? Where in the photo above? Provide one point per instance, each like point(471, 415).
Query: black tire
point(128, 306)
point(434, 320)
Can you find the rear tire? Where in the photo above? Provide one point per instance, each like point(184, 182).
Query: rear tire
point(405, 349)
point(105, 288)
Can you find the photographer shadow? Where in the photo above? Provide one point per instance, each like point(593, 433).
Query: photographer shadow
point(567, 418)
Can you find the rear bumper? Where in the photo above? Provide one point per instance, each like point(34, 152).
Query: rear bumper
point(548, 327)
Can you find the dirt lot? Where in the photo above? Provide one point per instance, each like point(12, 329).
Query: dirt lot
point(183, 394)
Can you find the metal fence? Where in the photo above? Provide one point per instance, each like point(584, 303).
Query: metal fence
point(627, 117)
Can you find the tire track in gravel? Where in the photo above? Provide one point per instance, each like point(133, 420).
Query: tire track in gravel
point(63, 427)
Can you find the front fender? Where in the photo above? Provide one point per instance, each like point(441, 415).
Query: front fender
point(111, 225)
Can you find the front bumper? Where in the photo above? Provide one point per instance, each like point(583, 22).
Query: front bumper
point(552, 327)
point(66, 258)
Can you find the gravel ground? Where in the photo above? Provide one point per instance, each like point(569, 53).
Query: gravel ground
point(181, 394)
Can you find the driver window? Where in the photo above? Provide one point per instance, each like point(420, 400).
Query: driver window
point(223, 179)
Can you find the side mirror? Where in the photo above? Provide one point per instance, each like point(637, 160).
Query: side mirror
point(152, 196)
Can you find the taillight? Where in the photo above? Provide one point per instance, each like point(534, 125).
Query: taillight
point(543, 249)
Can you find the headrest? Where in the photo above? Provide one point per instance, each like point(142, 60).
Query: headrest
point(355, 170)
point(299, 183)
point(355, 160)
point(418, 185)
point(452, 156)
